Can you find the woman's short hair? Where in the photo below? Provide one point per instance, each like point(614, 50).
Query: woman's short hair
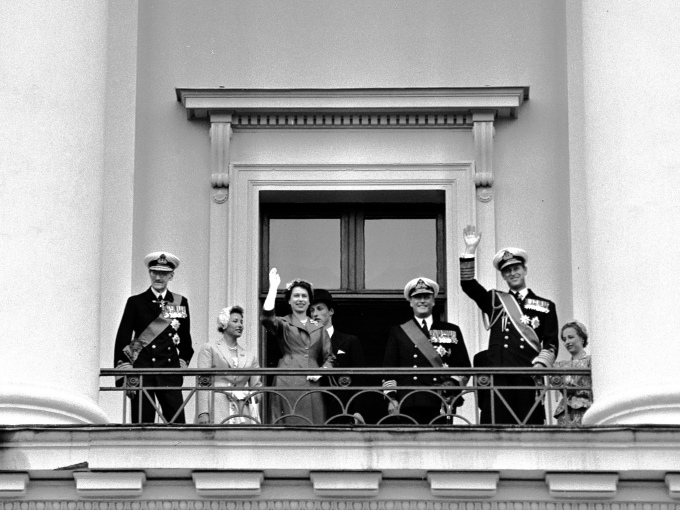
point(225, 313)
point(303, 284)
point(580, 329)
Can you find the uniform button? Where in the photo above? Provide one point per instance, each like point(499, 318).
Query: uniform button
point(415, 366)
point(169, 348)
point(153, 359)
point(521, 339)
point(506, 346)
point(415, 377)
point(434, 378)
point(169, 359)
point(415, 355)
point(169, 334)
point(153, 346)
point(506, 337)
point(307, 348)
point(521, 347)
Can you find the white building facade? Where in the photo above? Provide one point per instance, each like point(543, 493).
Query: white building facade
point(131, 127)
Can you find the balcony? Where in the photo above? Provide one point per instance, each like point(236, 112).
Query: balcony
point(454, 463)
point(485, 400)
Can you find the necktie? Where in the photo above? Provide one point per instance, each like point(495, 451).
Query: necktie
point(425, 330)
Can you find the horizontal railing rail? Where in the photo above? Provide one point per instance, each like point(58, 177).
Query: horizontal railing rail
point(353, 396)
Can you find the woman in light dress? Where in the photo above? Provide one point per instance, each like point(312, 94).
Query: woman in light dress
point(236, 406)
point(305, 344)
point(577, 397)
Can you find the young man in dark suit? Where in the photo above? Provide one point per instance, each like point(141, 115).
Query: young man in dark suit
point(523, 331)
point(154, 333)
point(348, 354)
point(424, 341)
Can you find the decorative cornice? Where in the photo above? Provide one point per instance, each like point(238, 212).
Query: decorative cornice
point(346, 483)
point(582, 485)
point(323, 504)
point(13, 485)
point(340, 121)
point(375, 107)
point(673, 484)
point(228, 484)
point(99, 484)
point(463, 484)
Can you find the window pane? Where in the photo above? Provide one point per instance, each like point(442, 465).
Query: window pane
point(306, 248)
point(398, 250)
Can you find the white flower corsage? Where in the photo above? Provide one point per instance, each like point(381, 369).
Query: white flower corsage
point(175, 324)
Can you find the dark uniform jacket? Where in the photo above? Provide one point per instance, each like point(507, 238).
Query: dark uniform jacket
point(140, 311)
point(507, 347)
point(402, 352)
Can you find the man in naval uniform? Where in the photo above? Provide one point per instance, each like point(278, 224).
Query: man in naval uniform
point(154, 333)
point(523, 332)
point(348, 354)
point(424, 341)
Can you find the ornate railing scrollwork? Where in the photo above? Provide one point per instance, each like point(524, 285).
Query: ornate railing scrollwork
point(355, 396)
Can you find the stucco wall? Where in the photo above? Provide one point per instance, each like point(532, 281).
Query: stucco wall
point(310, 44)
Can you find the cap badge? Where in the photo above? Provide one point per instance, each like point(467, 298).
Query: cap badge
point(421, 285)
point(507, 255)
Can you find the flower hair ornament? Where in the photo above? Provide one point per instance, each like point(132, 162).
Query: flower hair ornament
point(298, 281)
point(225, 313)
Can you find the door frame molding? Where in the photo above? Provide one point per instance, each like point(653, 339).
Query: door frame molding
point(238, 254)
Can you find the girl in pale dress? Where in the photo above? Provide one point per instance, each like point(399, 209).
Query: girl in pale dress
point(236, 406)
point(577, 398)
point(305, 344)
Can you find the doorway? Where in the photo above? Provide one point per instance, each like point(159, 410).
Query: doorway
point(363, 253)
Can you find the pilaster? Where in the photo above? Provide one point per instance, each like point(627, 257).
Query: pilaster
point(483, 131)
point(220, 154)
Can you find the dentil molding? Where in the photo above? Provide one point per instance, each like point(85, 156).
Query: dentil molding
point(348, 504)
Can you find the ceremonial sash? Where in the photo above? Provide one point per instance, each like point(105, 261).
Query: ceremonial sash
point(515, 313)
point(416, 335)
point(158, 325)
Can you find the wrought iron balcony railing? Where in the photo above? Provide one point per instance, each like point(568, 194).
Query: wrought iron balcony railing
point(354, 397)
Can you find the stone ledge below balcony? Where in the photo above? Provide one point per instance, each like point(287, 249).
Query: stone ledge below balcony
point(640, 452)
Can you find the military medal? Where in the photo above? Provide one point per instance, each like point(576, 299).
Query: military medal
point(442, 351)
point(174, 312)
point(539, 305)
point(443, 336)
point(534, 322)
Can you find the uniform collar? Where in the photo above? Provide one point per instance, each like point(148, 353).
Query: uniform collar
point(157, 295)
point(428, 320)
point(523, 293)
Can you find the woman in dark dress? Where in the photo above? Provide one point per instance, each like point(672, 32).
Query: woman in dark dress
point(304, 343)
